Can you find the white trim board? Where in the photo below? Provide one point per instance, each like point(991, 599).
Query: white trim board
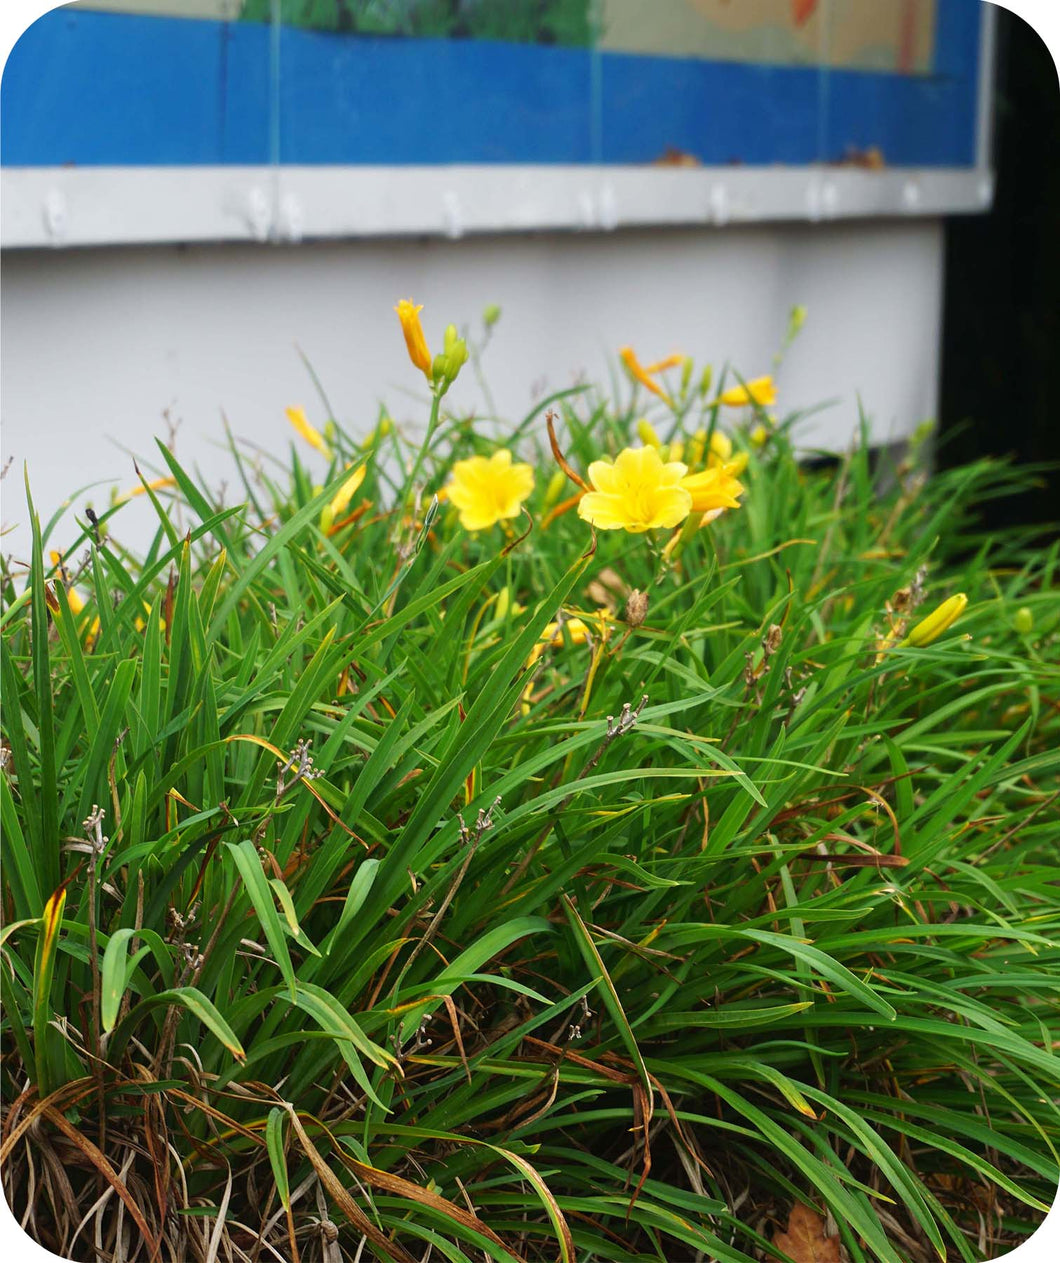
point(94, 206)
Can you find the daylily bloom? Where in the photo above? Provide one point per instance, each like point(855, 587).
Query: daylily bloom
point(644, 374)
point(761, 391)
point(419, 353)
point(937, 622)
point(715, 488)
point(310, 433)
point(488, 490)
point(636, 493)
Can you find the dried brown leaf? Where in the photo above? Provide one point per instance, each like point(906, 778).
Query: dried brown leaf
point(805, 1239)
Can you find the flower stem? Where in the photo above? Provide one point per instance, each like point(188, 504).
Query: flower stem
point(421, 455)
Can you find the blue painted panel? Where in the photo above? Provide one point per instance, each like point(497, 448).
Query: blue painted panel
point(720, 111)
point(348, 99)
point(96, 88)
point(105, 88)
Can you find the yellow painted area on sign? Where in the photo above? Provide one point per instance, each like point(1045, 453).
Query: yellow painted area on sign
point(884, 35)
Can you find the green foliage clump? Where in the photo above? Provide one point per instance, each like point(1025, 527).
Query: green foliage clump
point(524, 893)
point(565, 22)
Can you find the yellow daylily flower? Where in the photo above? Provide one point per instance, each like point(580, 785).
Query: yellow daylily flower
point(488, 490)
point(636, 493)
point(310, 433)
point(419, 353)
point(761, 391)
point(938, 621)
point(715, 488)
point(644, 375)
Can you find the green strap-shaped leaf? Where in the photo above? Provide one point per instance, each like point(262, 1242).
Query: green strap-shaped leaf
point(249, 864)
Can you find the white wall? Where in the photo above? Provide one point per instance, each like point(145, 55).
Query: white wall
point(97, 343)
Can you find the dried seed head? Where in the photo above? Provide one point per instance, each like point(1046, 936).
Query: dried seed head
point(482, 825)
point(771, 640)
point(909, 597)
point(93, 827)
point(636, 607)
point(627, 720)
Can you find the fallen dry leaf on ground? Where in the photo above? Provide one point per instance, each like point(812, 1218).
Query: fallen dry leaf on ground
point(805, 1239)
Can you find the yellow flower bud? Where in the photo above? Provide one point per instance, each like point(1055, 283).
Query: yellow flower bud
point(491, 315)
point(647, 434)
point(759, 436)
point(341, 499)
point(937, 622)
point(449, 362)
point(720, 447)
point(696, 449)
point(310, 433)
point(760, 391)
point(415, 341)
point(644, 375)
point(555, 488)
point(156, 484)
point(504, 600)
point(1023, 620)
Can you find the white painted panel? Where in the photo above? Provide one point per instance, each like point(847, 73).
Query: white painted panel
point(76, 206)
point(97, 343)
